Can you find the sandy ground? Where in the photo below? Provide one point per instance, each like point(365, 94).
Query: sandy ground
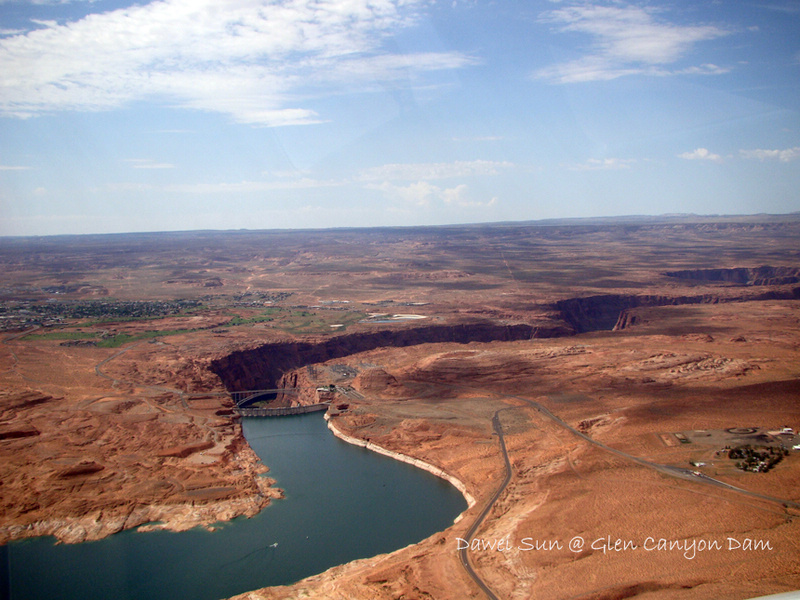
point(644, 534)
point(94, 440)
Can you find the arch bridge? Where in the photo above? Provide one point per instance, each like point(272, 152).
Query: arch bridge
point(242, 397)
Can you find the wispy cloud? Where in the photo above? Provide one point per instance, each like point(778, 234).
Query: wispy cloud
point(250, 186)
point(604, 164)
point(148, 163)
point(417, 191)
point(789, 7)
point(480, 138)
point(787, 155)
point(250, 59)
point(428, 171)
point(13, 168)
point(701, 154)
point(423, 194)
point(626, 40)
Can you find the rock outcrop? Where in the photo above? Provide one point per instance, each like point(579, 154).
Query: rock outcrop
point(380, 382)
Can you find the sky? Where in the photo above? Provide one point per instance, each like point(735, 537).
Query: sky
point(119, 116)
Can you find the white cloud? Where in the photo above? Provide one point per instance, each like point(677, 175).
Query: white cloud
point(423, 194)
point(605, 164)
point(428, 171)
point(420, 193)
point(787, 155)
point(627, 40)
point(701, 154)
point(13, 168)
point(250, 59)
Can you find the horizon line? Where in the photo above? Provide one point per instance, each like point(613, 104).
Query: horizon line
point(553, 221)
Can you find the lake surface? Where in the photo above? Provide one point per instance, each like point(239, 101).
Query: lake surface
point(342, 503)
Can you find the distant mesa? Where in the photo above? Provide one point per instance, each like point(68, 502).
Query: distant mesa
point(763, 275)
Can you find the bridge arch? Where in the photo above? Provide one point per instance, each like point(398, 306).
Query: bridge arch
point(242, 397)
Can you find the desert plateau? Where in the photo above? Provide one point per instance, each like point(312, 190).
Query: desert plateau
point(617, 398)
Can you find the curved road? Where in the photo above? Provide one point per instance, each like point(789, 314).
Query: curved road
point(665, 469)
point(671, 471)
point(498, 428)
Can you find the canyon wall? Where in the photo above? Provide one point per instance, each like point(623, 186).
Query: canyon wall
point(603, 312)
point(264, 367)
point(274, 365)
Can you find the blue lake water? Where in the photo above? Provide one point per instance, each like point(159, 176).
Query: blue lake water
point(342, 503)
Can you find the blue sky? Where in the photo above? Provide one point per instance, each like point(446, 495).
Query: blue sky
point(197, 114)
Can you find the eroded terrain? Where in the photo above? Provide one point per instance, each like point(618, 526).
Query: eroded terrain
point(593, 343)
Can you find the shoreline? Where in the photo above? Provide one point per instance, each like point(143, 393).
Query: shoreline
point(101, 523)
point(151, 517)
point(420, 464)
point(97, 525)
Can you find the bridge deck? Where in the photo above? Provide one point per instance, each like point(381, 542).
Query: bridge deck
point(281, 412)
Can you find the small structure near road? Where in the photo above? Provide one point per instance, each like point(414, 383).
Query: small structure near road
point(736, 436)
point(757, 460)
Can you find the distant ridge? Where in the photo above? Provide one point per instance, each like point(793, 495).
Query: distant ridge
point(553, 222)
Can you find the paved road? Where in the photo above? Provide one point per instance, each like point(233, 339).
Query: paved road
point(671, 471)
point(665, 469)
point(498, 428)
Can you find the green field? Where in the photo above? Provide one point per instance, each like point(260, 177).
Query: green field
point(111, 341)
point(301, 321)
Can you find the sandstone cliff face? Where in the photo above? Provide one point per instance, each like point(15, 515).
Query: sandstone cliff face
point(267, 366)
point(607, 312)
point(626, 319)
point(305, 389)
point(264, 367)
point(377, 381)
point(599, 313)
point(759, 276)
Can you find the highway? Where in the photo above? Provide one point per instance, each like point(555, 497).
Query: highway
point(498, 428)
point(681, 473)
point(665, 469)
